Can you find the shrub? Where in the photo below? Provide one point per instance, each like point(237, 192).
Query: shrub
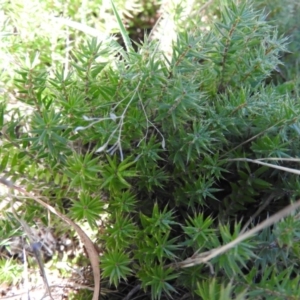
point(164, 147)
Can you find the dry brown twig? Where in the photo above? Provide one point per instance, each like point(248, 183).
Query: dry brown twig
point(259, 210)
point(35, 249)
point(90, 248)
point(205, 257)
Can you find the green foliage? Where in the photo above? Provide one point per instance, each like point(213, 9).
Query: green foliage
point(146, 139)
point(10, 271)
point(213, 290)
point(277, 11)
point(87, 208)
point(235, 259)
point(157, 277)
point(82, 170)
point(155, 246)
point(122, 233)
point(115, 266)
point(199, 231)
point(114, 174)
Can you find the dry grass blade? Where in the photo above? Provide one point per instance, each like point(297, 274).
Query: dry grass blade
point(259, 162)
point(205, 257)
point(90, 248)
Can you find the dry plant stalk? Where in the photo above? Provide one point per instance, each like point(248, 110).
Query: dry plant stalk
point(90, 248)
point(205, 257)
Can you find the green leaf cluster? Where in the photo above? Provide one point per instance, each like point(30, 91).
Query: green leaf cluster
point(148, 141)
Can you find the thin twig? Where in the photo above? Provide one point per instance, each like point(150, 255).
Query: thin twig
point(132, 292)
point(204, 257)
point(260, 209)
point(252, 138)
point(204, 6)
point(89, 246)
point(32, 241)
point(259, 162)
point(25, 272)
point(293, 159)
